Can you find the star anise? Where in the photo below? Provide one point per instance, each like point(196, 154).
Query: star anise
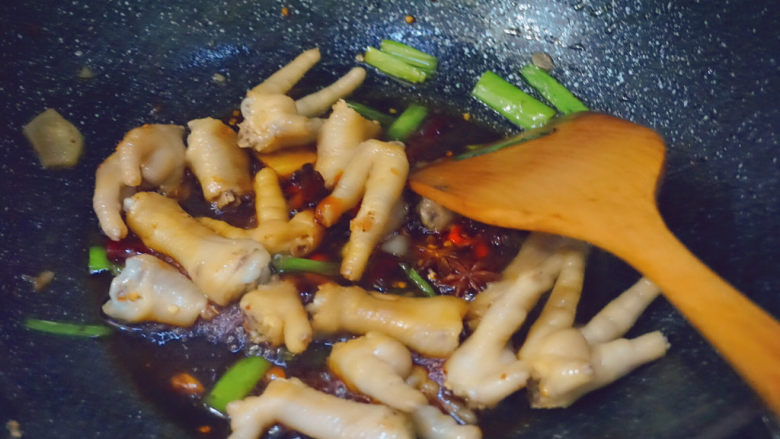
point(437, 257)
point(468, 278)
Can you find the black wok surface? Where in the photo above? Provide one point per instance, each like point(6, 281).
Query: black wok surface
point(704, 74)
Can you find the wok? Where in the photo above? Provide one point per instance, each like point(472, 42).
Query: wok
point(704, 74)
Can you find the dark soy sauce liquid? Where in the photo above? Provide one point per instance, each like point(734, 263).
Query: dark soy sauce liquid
point(150, 354)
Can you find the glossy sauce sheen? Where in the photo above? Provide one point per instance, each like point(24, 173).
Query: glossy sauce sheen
point(463, 259)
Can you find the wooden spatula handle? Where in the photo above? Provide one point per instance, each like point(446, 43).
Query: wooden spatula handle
point(744, 334)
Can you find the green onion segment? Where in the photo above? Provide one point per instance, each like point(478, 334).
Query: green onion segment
point(69, 329)
point(475, 150)
point(98, 261)
point(418, 280)
point(407, 123)
point(394, 66)
point(291, 264)
point(237, 382)
point(371, 113)
point(410, 55)
point(511, 102)
point(552, 90)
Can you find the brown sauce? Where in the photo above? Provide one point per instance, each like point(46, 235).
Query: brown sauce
point(462, 260)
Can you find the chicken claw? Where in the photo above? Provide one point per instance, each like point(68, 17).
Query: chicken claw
point(567, 362)
point(377, 172)
point(149, 289)
point(222, 168)
point(273, 120)
point(222, 268)
point(275, 230)
point(151, 154)
point(484, 369)
point(340, 135)
point(429, 325)
point(275, 314)
point(377, 366)
point(314, 413)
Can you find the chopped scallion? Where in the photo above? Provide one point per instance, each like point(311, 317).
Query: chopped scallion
point(418, 280)
point(291, 264)
point(70, 329)
point(98, 261)
point(475, 150)
point(407, 123)
point(237, 382)
point(371, 113)
point(514, 104)
point(394, 66)
point(552, 90)
point(410, 55)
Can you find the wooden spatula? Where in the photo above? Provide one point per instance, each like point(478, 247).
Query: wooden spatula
point(594, 177)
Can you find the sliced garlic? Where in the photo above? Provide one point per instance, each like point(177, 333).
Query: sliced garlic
point(57, 142)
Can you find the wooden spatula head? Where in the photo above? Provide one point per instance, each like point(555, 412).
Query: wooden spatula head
point(589, 167)
point(594, 178)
